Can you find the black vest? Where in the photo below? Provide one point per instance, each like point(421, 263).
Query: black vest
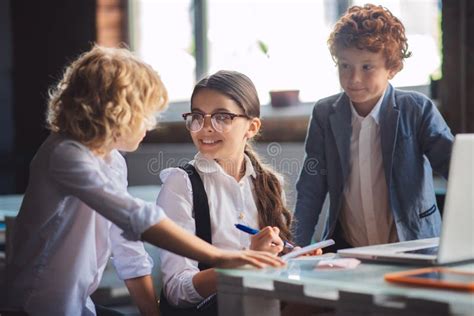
point(203, 231)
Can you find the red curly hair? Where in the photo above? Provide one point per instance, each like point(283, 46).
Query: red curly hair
point(373, 28)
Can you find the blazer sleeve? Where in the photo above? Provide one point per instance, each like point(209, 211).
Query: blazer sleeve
point(435, 138)
point(312, 184)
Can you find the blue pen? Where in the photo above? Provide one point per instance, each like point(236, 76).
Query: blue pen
point(253, 231)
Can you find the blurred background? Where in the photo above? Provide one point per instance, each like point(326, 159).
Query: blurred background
point(280, 45)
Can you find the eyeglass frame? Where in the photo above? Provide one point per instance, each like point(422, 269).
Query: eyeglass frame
point(232, 117)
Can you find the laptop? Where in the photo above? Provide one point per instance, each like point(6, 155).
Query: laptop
point(456, 243)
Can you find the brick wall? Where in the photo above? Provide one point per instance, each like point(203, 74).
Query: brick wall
point(112, 22)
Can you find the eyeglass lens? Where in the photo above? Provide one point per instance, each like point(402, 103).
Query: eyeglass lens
point(221, 122)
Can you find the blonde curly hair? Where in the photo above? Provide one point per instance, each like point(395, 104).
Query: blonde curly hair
point(374, 28)
point(104, 94)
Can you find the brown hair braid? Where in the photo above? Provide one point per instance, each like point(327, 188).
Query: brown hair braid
point(268, 192)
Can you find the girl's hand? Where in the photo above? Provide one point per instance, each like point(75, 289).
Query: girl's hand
point(258, 259)
point(316, 252)
point(268, 239)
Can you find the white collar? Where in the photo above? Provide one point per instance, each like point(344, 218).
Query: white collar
point(206, 165)
point(375, 113)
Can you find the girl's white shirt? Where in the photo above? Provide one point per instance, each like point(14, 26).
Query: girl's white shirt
point(230, 203)
point(76, 213)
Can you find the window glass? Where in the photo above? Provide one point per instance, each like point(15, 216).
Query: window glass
point(279, 44)
point(162, 36)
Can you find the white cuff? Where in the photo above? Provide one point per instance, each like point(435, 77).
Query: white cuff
point(193, 296)
point(133, 266)
point(181, 292)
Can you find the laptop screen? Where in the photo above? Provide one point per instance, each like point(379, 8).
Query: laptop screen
point(457, 238)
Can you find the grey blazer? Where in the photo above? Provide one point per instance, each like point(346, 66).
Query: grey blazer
point(415, 140)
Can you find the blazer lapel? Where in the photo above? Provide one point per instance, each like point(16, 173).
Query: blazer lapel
point(389, 116)
point(341, 127)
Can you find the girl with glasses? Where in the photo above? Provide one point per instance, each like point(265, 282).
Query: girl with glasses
point(224, 118)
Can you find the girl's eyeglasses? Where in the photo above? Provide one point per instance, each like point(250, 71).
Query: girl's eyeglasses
point(221, 121)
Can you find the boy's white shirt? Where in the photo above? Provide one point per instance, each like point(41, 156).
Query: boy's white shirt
point(63, 241)
point(230, 203)
point(366, 218)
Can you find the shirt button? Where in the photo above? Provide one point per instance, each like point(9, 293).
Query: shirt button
point(241, 215)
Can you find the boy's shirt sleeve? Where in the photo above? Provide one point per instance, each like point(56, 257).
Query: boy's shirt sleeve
point(129, 258)
point(76, 172)
point(311, 185)
point(176, 198)
point(436, 139)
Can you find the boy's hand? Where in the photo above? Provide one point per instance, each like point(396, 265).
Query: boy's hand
point(268, 239)
point(258, 259)
point(173, 238)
